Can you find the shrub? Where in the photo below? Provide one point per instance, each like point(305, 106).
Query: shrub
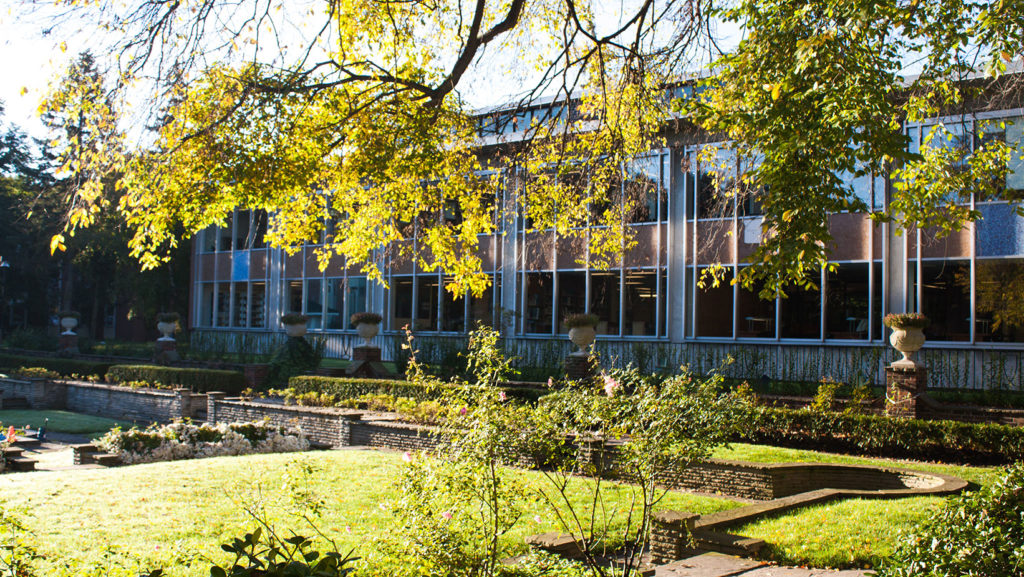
point(294, 357)
point(954, 441)
point(65, 367)
point(979, 533)
point(189, 441)
point(35, 373)
point(825, 398)
point(294, 319)
point(581, 320)
point(365, 317)
point(201, 380)
point(345, 388)
point(905, 320)
point(31, 339)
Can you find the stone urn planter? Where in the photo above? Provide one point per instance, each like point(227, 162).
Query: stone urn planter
point(68, 322)
point(167, 324)
point(367, 325)
point(907, 337)
point(294, 325)
point(581, 331)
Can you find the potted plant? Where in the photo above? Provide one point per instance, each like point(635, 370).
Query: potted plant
point(581, 330)
point(907, 336)
point(167, 324)
point(294, 324)
point(367, 325)
point(69, 320)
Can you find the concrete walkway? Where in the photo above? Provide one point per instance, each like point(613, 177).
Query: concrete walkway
point(719, 565)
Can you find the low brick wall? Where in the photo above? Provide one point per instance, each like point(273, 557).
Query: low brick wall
point(329, 427)
point(393, 435)
point(123, 403)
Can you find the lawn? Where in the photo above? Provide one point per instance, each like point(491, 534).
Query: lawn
point(166, 514)
point(853, 533)
point(163, 514)
point(60, 422)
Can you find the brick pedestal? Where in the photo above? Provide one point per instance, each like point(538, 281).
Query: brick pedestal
point(903, 390)
point(671, 535)
point(67, 344)
point(166, 351)
point(365, 353)
point(212, 397)
point(579, 367)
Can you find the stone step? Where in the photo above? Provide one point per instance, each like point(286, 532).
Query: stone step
point(750, 512)
point(106, 460)
point(707, 565)
point(727, 543)
point(20, 464)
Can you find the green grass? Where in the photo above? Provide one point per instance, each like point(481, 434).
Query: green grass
point(162, 513)
point(853, 533)
point(60, 421)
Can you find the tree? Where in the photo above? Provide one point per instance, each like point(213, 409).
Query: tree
point(355, 111)
point(817, 90)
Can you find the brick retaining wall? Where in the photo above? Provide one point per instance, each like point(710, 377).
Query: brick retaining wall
point(111, 401)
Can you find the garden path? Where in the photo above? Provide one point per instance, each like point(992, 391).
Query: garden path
point(719, 565)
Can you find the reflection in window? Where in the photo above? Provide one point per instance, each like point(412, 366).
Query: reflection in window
point(714, 306)
point(355, 298)
point(208, 239)
point(1000, 300)
point(295, 296)
point(539, 295)
point(426, 303)
point(755, 317)
point(401, 305)
point(641, 300)
point(604, 301)
point(946, 299)
point(646, 190)
point(572, 296)
point(481, 308)
point(846, 305)
point(800, 314)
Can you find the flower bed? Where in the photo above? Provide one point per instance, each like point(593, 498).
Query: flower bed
point(189, 441)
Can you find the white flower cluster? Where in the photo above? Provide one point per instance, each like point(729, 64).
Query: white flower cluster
point(183, 440)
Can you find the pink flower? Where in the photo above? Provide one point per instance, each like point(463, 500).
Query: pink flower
point(610, 384)
point(447, 515)
point(407, 457)
point(501, 396)
point(536, 518)
point(551, 382)
point(462, 410)
point(348, 528)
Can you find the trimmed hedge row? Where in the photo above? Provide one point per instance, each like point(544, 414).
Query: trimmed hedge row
point(66, 367)
point(977, 443)
point(201, 380)
point(346, 388)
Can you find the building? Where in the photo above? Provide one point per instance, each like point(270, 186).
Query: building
point(651, 306)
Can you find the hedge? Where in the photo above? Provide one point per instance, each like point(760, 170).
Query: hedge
point(66, 367)
point(952, 441)
point(346, 388)
point(201, 380)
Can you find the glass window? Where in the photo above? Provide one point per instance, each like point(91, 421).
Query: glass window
point(1000, 300)
point(426, 303)
point(453, 315)
point(572, 296)
point(714, 306)
point(208, 239)
point(800, 314)
point(641, 302)
point(355, 296)
point(259, 306)
point(314, 303)
point(946, 298)
point(224, 236)
point(846, 303)
point(240, 314)
point(243, 220)
point(604, 300)
point(645, 190)
point(206, 305)
point(1000, 232)
point(755, 317)
point(539, 295)
point(223, 303)
point(334, 299)
point(481, 308)
point(295, 296)
point(401, 303)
